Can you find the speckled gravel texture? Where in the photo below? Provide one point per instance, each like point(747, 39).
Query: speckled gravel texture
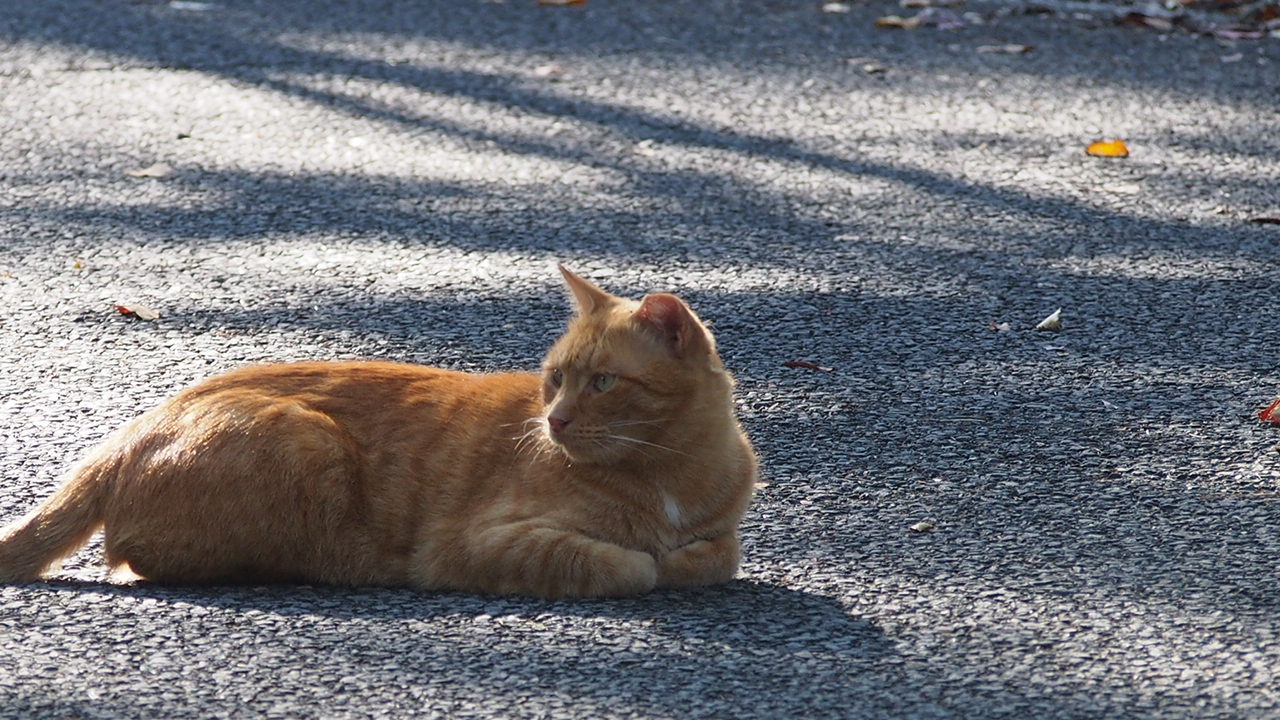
point(376, 179)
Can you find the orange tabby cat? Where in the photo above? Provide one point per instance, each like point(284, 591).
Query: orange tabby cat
point(619, 469)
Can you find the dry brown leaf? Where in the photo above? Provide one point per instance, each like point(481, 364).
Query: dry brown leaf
point(1266, 220)
point(806, 365)
point(897, 21)
point(1108, 148)
point(1160, 24)
point(562, 3)
point(142, 312)
point(158, 170)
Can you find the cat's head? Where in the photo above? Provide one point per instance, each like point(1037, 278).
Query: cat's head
point(632, 380)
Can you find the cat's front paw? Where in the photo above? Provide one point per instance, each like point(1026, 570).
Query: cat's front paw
point(621, 572)
point(701, 562)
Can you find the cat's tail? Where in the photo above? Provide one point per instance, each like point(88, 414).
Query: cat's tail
point(30, 545)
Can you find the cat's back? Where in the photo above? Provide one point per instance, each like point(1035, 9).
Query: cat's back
point(368, 400)
point(354, 385)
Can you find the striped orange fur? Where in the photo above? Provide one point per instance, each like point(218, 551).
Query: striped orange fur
point(620, 467)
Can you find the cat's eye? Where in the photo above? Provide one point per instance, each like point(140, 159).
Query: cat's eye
point(557, 377)
point(603, 382)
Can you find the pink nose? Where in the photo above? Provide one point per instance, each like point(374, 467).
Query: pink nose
point(557, 424)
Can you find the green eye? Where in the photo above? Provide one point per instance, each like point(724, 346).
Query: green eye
point(557, 377)
point(603, 382)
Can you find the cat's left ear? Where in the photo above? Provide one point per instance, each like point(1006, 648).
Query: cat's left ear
point(671, 321)
point(587, 297)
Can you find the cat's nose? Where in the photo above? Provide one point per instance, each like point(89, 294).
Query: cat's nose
point(557, 424)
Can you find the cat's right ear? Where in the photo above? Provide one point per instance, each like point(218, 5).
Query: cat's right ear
point(668, 319)
point(586, 297)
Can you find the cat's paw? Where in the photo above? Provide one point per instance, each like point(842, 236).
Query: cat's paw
point(623, 572)
point(701, 562)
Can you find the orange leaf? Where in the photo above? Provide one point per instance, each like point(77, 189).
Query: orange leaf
point(897, 21)
point(1108, 148)
point(806, 365)
point(1272, 413)
point(137, 310)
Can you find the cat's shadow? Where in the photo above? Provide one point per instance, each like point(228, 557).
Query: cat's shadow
point(742, 614)
point(784, 650)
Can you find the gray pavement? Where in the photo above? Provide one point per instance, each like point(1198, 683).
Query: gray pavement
point(395, 180)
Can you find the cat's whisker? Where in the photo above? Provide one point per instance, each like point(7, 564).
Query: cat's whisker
point(535, 437)
point(637, 441)
point(625, 423)
point(528, 433)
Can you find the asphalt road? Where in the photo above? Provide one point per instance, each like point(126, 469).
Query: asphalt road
point(395, 180)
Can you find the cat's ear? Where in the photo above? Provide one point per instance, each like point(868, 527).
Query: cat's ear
point(667, 318)
point(586, 297)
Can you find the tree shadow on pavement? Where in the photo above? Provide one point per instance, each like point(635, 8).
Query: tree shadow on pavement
point(967, 425)
point(153, 36)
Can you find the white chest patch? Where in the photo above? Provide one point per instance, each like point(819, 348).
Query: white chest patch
point(672, 508)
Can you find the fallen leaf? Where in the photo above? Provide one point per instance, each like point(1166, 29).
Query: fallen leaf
point(999, 327)
point(142, 312)
point(897, 21)
point(1161, 24)
point(837, 7)
point(550, 70)
point(1266, 220)
point(1010, 49)
point(1052, 323)
point(645, 147)
point(1237, 33)
point(806, 365)
point(923, 526)
point(1108, 148)
point(1271, 414)
point(562, 3)
point(941, 18)
point(158, 170)
point(870, 66)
